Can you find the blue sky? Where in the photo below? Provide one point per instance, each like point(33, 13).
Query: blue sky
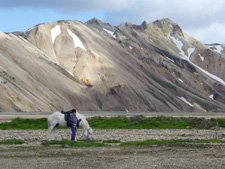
point(203, 19)
point(21, 19)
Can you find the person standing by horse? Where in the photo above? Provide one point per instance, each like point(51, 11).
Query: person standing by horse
point(73, 124)
point(62, 119)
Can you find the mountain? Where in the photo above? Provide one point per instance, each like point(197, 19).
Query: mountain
point(95, 66)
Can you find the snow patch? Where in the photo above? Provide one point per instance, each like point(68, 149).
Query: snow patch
point(209, 74)
point(30, 29)
point(170, 59)
point(179, 45)
point(216, 48)
point(184, 100)
point(76, 40)
point(202, 58)
point(180, 80)
point(190, 51)
point(69, 72)
point(219, 48)
point(211, 96)
point(55, 32)
point(109, 32)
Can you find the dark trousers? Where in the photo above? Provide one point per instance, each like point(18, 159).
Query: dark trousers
point(73, 135)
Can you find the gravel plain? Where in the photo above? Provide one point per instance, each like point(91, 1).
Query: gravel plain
point(33, 155)
point(35, 137)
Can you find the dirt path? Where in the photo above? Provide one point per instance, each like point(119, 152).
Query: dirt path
point(172, 156)
point(33, 155)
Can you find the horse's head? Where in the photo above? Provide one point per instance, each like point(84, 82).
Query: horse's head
point(90, 131)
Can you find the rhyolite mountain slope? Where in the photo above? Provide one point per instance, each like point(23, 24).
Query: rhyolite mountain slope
point(95, 66)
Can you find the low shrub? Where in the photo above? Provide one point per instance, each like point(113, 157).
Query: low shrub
point(12, 141)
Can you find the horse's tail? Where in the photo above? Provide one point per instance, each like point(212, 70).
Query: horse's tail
point(49, 124)
point(48, 131)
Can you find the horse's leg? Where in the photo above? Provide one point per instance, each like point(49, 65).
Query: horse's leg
point(51, 134)
point(54, 132)
point(51, 130)
point(85, 133)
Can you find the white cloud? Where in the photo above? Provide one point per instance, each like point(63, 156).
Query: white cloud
point(197, 17)
point(214, 33)
point(204, 19)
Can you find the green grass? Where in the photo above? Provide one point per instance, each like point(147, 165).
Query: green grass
point(142, 122)
point(11, 141)
point(122, 122)
point(111, 141)
point(221, 122)
point(74, 143)
point(19, 123)
point(164, 142)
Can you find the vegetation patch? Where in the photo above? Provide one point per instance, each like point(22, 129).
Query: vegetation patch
point(11, 141)
point(29, 124)
point(142, 122)
point(157, 97)
point(74, 143)
point(221, 122)
point(111, 141)
point(122, 122)
point(163, 83)
point(99, 102)
point(158, 142)
point(206, 106)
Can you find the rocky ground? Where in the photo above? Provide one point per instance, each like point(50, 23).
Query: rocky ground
point(34, 137)
point(33, 155)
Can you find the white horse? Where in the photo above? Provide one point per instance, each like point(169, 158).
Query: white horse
point(58, 119)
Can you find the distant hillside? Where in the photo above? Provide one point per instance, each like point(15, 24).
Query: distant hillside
point(95, 66)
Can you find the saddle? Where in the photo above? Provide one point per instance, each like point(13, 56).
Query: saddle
point(66, 116)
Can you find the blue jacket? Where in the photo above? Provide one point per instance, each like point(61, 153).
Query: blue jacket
point(73, 120)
